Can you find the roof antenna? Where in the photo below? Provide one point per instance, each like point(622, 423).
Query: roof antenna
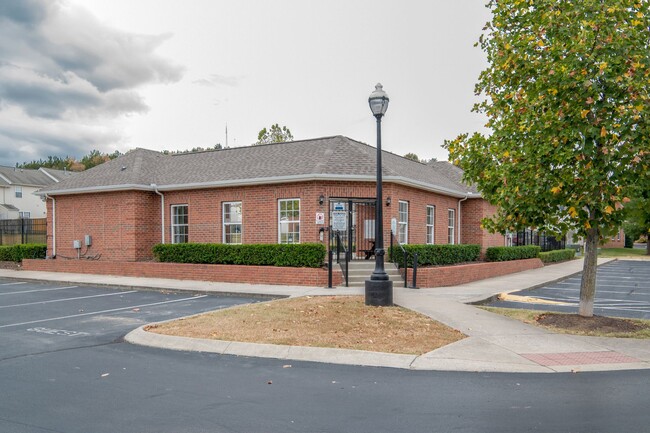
point(226, 135)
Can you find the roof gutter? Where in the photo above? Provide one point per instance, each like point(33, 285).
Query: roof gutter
point(459, 214)
point(259, 181)
point(53, 225)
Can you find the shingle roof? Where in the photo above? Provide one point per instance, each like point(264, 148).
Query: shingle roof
point(454, 173)
point(24, 177)
point(325, 158)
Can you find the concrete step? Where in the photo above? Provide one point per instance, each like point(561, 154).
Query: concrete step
point(359, 271)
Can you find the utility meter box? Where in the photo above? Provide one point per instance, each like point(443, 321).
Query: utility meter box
point(76, 244)
point(88, 240)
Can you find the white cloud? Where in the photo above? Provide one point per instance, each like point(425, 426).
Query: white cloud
point(66, 78)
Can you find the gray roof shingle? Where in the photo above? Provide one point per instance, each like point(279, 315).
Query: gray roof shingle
point(335, 157)
point(24, 177)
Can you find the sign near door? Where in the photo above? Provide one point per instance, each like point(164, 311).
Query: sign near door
point(339, 220)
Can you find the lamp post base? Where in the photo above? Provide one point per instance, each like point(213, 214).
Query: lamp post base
point(379, 293)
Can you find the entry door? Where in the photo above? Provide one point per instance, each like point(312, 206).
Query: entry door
point(353, 223)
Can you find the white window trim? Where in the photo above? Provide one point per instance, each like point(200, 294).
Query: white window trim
point(451, 225)
point(401, 223)
point(173, 225)
point(18, 191)
point(224, 223)
point(431, 241)
point(289, 221)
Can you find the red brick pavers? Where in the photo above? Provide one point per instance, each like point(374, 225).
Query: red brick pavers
point(579, 358)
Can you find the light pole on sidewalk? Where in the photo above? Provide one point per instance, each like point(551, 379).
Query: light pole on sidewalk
point(379, 289)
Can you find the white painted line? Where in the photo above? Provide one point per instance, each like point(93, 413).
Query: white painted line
point(67, 299)
point(101, 312)
point(39, 290)
point(10, 284)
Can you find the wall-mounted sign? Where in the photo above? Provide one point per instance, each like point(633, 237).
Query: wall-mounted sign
point(339, 206)
point(339, 221)
point(320, 218)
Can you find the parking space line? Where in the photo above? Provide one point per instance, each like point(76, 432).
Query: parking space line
point(38, 290)
point(67, 299)
point(101, 312)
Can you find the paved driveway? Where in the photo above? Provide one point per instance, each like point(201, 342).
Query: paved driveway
point(622, 290)
point(37, 317)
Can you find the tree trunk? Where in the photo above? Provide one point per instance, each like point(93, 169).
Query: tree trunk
point(588, 283)
point(647, 245)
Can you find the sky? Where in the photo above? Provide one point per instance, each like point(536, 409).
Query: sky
point(80, 75)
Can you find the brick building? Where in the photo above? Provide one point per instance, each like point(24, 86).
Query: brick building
point(300, 191)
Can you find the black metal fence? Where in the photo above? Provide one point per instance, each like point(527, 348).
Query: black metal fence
point(23, 231)
point(533, 237)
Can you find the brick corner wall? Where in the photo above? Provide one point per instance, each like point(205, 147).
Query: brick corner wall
point(442, 276)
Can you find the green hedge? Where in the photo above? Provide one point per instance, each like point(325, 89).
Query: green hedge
point(291, 255)
point(16, 253)
point(431, 255)
point(557, 255)
point(503, 254)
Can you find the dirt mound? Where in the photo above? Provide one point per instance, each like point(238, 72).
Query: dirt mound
point(598, 324)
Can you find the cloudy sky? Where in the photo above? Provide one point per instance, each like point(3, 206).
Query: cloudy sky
point(78, 75)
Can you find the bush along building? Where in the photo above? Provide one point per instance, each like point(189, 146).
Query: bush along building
point(310, 191)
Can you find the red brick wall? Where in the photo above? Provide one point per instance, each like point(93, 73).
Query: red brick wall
point(122, 225)
point(441, 276)
point(181, 271)
point(616, 241)
point(125, 225)
point(472, 211)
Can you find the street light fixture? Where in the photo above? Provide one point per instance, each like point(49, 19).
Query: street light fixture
point(379, 289)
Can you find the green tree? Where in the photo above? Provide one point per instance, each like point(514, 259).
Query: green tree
point(412, 156)
point(566, 98)
point(275, 134)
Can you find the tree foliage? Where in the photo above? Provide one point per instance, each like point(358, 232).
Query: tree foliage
point(275, 134)
point(566, 98)
point(94, 157)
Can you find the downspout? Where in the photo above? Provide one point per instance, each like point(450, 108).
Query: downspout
point(162, 211)
point(53, 225)
point(459, 215)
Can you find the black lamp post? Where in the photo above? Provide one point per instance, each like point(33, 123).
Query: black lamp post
point(379, 289)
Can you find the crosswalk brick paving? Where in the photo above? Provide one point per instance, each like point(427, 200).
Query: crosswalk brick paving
point(579, 358)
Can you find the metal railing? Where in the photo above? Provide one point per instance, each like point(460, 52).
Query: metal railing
point(395, 241)
point(340, 247)
point(23, 231)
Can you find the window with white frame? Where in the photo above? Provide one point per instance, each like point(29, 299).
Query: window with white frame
point(19, 191)
point(24, 215)
point(289, 221)
point(431, 218)
point(232, 222)
point(403, 221)
point(180, 224)
point(451, 239)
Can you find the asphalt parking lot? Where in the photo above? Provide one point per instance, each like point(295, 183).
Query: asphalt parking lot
point(38, 317)
point(622, 290)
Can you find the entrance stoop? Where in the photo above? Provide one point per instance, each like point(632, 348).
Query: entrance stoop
point(360, 271)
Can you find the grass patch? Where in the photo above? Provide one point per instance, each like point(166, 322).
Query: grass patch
point(319, 321)
point(597, 326)
point(622, 252)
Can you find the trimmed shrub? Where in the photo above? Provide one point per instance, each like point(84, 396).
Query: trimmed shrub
point(432, 255)
point(309, 255)
point(16, 253)
point(557, 255)
point(504, 254)
point(629, 242)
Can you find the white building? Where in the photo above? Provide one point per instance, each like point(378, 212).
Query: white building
point(17, 188)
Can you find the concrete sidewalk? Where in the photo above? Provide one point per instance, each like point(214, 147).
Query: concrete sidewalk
point(495, 343)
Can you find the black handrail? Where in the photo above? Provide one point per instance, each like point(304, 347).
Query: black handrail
point(340, 246)
point(394, 240)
